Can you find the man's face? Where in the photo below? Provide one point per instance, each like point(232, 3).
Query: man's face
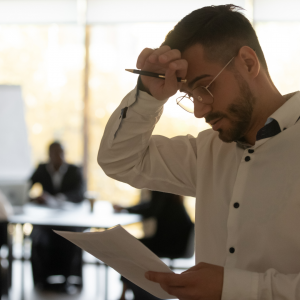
point(231, 112)
point(56, 155)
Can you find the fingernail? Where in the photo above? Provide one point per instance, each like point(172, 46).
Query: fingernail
point(147, 275)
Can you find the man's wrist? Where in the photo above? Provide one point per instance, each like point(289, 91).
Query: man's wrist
point(141, 86)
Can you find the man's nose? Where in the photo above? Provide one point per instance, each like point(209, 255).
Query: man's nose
point(201, 109)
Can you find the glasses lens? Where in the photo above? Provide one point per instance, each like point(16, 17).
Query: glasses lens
point(203, 95)
point(186, 103)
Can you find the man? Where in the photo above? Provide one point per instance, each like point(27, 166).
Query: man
point(60, 181)
point(52, 255)
point(244, 171)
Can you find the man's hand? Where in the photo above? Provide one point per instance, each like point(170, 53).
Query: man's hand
point(163, 61)
point(203, 281)
point(39, 200)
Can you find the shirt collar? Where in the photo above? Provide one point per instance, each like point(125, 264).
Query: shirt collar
point(286, 115)
point(62, 170)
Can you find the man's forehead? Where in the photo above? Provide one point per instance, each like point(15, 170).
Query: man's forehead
point(199, 67)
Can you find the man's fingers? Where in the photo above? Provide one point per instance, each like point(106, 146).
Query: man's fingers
point(180, 66)
point(164, 55)
point(178, 292)
point(143, 57)
point(153, 58)
point(168, 56)
point(163, 60)
point(176, 69)
point(150, 54)
point(167, 279)
point(199, 266)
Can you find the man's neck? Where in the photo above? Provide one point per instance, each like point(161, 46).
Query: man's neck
point(56, 167)
point(265, 106)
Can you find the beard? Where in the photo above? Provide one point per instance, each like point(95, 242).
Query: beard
point(239, 113)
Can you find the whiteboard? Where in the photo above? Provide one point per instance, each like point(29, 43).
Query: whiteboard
point(15, 158)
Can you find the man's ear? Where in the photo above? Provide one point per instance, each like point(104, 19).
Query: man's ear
point(248, 62)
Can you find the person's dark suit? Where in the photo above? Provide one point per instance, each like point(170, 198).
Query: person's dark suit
point(173, 224)
point(51, 254)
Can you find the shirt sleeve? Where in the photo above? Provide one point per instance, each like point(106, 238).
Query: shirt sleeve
point(271, 285)
point(129, 153)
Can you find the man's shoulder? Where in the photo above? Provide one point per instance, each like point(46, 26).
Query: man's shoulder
point(72, 167)
point(42, 166)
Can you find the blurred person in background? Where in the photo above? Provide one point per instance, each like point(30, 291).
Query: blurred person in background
point(60, 181)
point(55, 261)
point(173, 228)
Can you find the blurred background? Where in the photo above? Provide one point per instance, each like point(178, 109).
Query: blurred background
point(62, 74)
point(69, 57)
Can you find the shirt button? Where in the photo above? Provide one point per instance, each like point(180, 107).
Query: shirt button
point(231, 250)
point(250, 151)
point(236, 205)
point(247, 158)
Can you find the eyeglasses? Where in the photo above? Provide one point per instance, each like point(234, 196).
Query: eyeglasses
point(199, 93)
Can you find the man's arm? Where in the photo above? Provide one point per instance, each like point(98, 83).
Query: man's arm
point(130, 154)
point(206, 281)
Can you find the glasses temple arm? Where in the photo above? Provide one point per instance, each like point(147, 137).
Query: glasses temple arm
point(219, 73)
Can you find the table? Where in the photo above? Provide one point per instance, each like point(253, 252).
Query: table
point(75, 215)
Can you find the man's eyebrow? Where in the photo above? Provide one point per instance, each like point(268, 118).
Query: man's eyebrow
point(191, 83)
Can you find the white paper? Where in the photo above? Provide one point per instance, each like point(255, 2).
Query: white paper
point(124, 253)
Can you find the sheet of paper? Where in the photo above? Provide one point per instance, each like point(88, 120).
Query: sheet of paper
point(124, 253)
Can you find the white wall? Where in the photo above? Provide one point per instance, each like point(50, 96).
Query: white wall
point(15, 163)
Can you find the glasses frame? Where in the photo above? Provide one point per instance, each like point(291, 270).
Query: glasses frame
point(199, 98)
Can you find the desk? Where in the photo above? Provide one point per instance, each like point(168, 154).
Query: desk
point(75, 215)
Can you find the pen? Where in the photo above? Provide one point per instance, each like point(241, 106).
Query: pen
point(145, 73)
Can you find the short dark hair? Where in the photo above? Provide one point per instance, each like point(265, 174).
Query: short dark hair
point(55, 144)
point(222, 30)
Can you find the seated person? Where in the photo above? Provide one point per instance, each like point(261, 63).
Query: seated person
point(51, 254)
point(173, 228)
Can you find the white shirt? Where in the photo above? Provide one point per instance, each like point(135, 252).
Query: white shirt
point(247, 211)
point(57, 177)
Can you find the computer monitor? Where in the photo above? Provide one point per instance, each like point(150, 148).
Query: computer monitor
point(15, 192)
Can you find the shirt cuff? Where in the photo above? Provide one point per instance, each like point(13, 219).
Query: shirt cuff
point(146, 104)
point(240, 285)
